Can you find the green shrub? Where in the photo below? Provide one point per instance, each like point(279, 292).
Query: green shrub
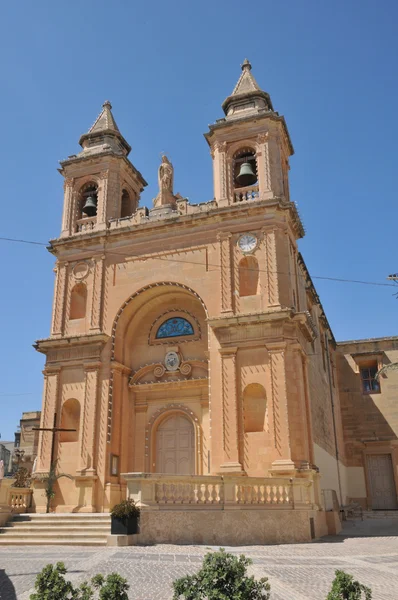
point(51, 585)
point(344, 587)
point(125, 510)
point(222, 576)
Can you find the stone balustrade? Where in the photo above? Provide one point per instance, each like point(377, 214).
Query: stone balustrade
point(19, 499)
point(86, 224)
point(160, 492)
point(246, 193)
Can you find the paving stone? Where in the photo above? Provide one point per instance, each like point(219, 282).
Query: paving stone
point(296, 572)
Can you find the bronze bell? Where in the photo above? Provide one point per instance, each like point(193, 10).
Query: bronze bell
point(246, 175)
point(90, 208)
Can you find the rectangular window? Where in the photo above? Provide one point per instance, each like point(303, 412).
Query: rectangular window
point(369, 383)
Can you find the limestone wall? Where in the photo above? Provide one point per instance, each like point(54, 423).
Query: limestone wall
point(230, 528)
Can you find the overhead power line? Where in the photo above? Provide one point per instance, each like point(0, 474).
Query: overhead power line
point(174, 260)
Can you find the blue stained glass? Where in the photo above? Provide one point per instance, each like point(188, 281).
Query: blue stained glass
point(174, 327)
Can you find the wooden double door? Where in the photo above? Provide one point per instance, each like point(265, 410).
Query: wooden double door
point(175, 446)
point(381, 482)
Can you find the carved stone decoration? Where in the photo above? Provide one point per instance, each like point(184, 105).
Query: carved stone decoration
point(80, 270)
point(160, 372)
point(172, 361)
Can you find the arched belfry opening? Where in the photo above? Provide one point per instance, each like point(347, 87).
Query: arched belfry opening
point(244, 173)
point(87, 205)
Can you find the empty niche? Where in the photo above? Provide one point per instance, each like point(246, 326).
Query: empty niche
point(254, 408)
point(248, 276)
point(70, 419)
point(78, 301)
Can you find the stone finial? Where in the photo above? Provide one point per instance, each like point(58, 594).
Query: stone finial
point(246, 66)
point(107, 104)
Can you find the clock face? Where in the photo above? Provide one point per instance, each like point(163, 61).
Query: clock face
point(247, 242)
point(172, 361)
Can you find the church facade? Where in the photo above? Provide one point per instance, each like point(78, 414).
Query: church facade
point(188, 340)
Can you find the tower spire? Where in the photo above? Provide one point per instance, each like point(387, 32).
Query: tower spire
point(104, 134)
point(247, 97)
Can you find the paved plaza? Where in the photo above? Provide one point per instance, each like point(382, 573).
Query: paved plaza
point(296, 572)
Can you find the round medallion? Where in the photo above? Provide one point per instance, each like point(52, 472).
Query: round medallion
point(80, 270)
point(247, 242)
point(172, 361)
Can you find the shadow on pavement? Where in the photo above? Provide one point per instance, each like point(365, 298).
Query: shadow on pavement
point(7, 590)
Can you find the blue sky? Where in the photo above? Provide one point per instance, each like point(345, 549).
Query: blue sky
point(331, 69)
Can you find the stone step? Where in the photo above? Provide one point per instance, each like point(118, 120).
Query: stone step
point(37, 541)
point(63, 529)
point(60, 522)
point(380, 514)
point(12, 528)
point(60, 516)
point(12, 533)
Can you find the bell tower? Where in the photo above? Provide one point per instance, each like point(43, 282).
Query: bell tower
point(100, 182)
point(250, 146)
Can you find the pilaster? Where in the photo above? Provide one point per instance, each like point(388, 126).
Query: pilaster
point(263, 167)
point(97, 297)
point(219, 151)
point(225, 271)
point(102, 200)
point(88, 419)
point(271, 271)
point(279, 409)
point(230, 420)
point(59, 299)
point(68, 207)
point(50, 397)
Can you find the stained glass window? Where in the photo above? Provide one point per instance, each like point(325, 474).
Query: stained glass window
point(174, 327)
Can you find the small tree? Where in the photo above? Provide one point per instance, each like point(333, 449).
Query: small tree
point(222, 576)
point(344, 587)
point(51, 585)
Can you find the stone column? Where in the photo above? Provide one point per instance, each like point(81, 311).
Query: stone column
point(68, 208)
point(279, 425)
point(50, 398)
point(58, 320)
point(230, 422)
point(271, 272)
point(225, 272)
point(97, 297)
point(88, 418)
point(218, 154)
point(263, 167)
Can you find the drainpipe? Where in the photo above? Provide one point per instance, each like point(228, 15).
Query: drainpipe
point(333, 416)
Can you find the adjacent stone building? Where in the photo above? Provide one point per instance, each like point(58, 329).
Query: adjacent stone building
point(189, 340)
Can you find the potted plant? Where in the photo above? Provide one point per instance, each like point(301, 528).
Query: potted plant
point(124, 518)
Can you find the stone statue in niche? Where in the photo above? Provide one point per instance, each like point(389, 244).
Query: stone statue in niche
point(165, 196)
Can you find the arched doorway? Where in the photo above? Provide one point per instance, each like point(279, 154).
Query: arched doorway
point(175, 446)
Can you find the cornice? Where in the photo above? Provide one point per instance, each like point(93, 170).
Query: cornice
point(94, 339)
point(261, 115)
point(219, 215)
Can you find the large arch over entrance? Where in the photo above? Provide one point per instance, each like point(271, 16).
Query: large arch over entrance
point(144, 383)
